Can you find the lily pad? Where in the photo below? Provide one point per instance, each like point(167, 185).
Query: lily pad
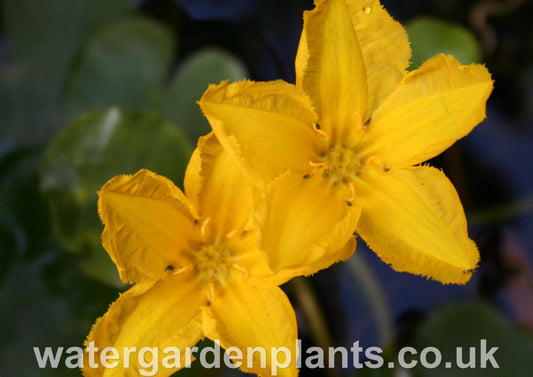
point(92, 150)
point(124, 64)
point(42, 39)
point(430, 36)
point(207, 66)
point(481, 327)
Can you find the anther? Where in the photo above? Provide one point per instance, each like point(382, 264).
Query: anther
point(210, 293)
point(468, 271)
point(187, 267)
point(360, 126)
point(232, 234)
point(351, 185)
point(204, 226)
point(324, 165)
point(378, 161)
point(246, 275)
point(321, 132)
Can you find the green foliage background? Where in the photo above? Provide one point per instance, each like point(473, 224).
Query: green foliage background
point(94, 88)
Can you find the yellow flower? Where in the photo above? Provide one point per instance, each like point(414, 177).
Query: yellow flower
point(199, 263)
point(361, 124)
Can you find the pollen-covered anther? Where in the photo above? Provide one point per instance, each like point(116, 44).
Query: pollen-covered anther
point(378, 162)
point(210, 293)
point(203, 227)
point(187, 267)
point(245, 274)
point(360, 126)
point(232, 234)
point(324, 165)
point(351, 186)
point(320, 131)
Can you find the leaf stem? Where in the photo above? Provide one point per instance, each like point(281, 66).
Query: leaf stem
point(374, 296)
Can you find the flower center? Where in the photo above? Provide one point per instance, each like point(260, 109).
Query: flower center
point(213, 263)
point(214, 259)
point(341, 165)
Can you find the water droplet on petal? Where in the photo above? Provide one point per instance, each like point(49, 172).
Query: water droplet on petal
point(367, 10)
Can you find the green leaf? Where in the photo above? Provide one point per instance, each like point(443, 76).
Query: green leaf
point(469, 325)
point(197, 72)
point(24, 216)
point(430, 36)
point(92, 150)
point(43, 38)
point(32, 317)
point(123, 64)
point(46, 34)
point(46, 302)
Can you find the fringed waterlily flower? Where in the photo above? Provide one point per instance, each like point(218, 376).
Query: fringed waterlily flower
point(359, 125)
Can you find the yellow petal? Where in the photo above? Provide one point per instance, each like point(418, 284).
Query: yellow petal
point(165, 314)
point(384, 47)
point(413, 219)
point(302, 58)
point(226, 196)
point(192, 181)
point(248, 258)
point(253, 314)
point(304, 224)
point(148, 223)
point(267, 127)
point(430, 109)
point(351, 55)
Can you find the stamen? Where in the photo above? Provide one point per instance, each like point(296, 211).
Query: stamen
point(324, 165)
point(360, 127)
point(351, 185)
point(321, 132)
point(204, 226)
point(232, 234)
point(468, 271)
point(211, 293)
point(241, 269)
point(378, 161)
point(187, 267)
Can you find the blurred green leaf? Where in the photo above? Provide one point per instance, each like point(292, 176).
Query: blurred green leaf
point(92, 150)
point(430, 36)
point(43, 38)
point(24, 215)
point(97, 265)
point(46, 34)
point(46, 302)
point(465, 325)
point(124, 64)
point(33, 317)
point(192, 79)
